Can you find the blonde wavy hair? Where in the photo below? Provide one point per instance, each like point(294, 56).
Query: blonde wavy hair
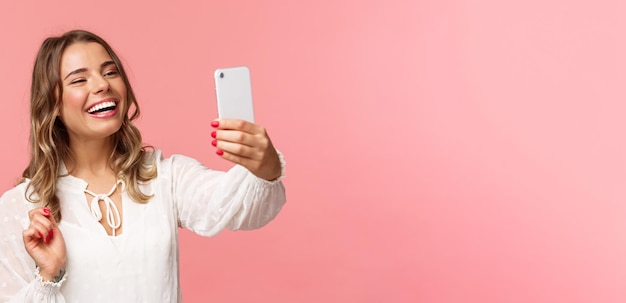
point(49, 139)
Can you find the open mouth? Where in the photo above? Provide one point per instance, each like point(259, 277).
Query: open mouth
point(102, 107)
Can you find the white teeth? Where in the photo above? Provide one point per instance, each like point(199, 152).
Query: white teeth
point(100, 106)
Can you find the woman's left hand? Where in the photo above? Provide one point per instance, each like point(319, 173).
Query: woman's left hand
point(248, 145)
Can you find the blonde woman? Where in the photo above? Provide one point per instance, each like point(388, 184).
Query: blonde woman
point(96, 216)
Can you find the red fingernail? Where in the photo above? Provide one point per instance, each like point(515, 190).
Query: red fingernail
point(214, 142)
point(47, 239)
point(219, 152)
point(40, 235)
point(46, 210)
point(214, 134)
point(215, 123)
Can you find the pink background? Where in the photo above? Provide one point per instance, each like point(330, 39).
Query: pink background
point(438, 151)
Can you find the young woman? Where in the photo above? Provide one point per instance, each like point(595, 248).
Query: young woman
point(97, 214)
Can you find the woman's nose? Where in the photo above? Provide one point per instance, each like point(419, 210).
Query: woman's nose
point(100, 85)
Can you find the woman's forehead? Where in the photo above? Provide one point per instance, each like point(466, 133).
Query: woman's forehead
point(83, 55)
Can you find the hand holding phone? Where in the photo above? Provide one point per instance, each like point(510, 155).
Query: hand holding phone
point(240, 142)
point(234, 93)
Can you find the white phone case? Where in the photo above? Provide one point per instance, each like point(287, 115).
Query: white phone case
point(234, 93)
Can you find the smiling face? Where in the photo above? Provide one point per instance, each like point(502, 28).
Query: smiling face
point(93, 99)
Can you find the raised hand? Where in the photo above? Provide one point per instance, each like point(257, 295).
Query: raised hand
point(248, 145)
point(44, 243)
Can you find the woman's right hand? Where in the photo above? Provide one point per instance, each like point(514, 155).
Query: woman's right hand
point(44, 243)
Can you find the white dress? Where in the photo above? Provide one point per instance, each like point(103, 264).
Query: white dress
point(141, 264)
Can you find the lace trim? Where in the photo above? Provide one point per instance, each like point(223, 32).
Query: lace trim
point(48, 288)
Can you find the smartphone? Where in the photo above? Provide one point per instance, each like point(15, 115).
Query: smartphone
point(234, 93)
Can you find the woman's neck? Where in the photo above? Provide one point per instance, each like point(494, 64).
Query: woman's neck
point(90, 158)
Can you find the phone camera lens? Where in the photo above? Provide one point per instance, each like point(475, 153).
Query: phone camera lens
point(221, 75)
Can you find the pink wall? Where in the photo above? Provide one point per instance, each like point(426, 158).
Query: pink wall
point(438, 151)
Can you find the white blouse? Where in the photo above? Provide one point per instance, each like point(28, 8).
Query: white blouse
point(141, 264)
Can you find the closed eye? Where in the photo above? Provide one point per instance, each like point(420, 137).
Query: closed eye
point(77, 81)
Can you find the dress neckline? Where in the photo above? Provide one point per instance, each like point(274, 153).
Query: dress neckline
point(113, 217)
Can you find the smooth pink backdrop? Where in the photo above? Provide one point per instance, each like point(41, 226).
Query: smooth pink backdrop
point(438, 151)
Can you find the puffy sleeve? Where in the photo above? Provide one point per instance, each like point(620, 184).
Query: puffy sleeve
point(207, 201)
point(19, 281)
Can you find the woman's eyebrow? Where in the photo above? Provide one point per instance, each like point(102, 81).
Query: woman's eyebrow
point(106, 63)
point(77, 71)
point(82, 69)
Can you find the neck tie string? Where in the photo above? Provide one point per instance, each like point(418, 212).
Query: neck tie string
point(112, 213)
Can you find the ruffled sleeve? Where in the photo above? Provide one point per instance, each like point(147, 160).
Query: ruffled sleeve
point(207, 201)
point(20, 281)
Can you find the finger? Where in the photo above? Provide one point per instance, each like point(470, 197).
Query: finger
point(237, 159)
point(261, 169)
point(31, 233)
point(53, 221)
point(42, 230)
point(38, 211)
point(236, 124)
point(43, 221)
point(239, 150)
point(239, 137)
point(33, 237)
